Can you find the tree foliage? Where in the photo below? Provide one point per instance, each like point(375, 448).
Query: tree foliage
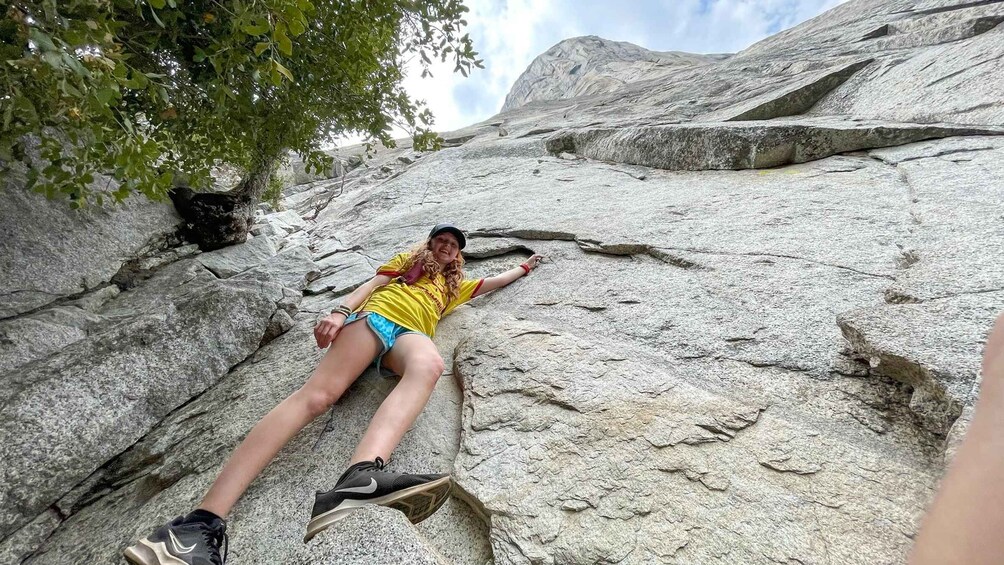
point(142, 90)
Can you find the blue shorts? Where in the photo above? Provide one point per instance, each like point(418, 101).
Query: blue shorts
point(386, 330)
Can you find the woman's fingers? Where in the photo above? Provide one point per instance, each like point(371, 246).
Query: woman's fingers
point(329, 336)
point(325, 332)
point(317, 333)
point(321, 331)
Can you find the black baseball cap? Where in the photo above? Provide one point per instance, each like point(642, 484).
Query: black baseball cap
point(449, 228)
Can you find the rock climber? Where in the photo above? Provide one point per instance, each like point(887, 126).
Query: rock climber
point(399, 309)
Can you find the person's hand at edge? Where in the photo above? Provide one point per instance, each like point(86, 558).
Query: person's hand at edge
point(327, 329)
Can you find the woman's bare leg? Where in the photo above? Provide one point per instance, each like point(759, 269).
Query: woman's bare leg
point(417, 360)
point(348, 356)
point(965, 522)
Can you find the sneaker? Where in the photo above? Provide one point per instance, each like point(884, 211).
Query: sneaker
point(418, 496)
point(181, 543)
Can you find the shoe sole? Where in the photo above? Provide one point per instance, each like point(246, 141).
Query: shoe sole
point(150, 553)
point(418, 503)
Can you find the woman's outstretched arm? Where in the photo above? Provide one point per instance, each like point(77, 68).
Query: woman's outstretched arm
point(966, 520)
point(502, 279)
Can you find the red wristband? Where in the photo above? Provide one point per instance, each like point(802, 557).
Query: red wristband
point(526, 268)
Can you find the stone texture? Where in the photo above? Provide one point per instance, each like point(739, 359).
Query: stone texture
point(789, 100)
point(28, 338)
point(935, 347)
point(293, 267)
point(48, 251)
point(67, 415)
point(955, 189)
point(296, 171)
point(285, 222)
point(342, 273)
point(581, 66)
point(229, 261)
point(581, 455)
point(744, 145)
point(373, 535)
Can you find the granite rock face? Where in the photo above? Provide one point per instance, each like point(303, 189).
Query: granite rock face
point(49, 250)
point(66, 415)
point(582, 66)
point(581, 454)
point(756, 337)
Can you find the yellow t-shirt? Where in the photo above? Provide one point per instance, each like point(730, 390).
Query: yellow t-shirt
point(419, 306)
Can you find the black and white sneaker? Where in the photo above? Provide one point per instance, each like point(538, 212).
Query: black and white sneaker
point(181, 542)
point(418, 496)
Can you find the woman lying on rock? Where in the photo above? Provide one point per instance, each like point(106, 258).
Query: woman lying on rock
point(399, 308)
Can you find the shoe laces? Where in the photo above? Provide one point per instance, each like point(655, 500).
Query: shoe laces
point(379, 463)
point(216, 537)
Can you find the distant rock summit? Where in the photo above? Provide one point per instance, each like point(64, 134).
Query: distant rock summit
point(756, 338)
point(592, 65)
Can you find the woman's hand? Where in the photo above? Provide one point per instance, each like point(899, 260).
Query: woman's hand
point(534, 260)
point(326, 330)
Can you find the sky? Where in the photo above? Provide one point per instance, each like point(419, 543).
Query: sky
point(509, 34)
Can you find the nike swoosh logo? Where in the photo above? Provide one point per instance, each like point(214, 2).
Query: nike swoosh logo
point(370, 488)
point(177, 544)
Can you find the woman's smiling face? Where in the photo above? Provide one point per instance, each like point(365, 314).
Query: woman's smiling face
point(445, 248)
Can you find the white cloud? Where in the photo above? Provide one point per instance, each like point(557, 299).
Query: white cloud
point(509, 34)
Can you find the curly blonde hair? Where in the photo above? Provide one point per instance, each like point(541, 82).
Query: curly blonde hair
point(453, 273)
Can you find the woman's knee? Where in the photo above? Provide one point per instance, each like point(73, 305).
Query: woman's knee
point(428, 366)
point(317, 400)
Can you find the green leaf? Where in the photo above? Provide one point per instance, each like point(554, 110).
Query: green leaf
point(255, 29)
point(8, 115)
point(158, 4)
point(73, 91)
point(285, 72)
point(156, 18)
point(53, 59)
point(260, 48)
point(105, 95)
point(41, 39)
point(284, 44)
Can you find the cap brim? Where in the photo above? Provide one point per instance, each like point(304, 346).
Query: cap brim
point(456, 233)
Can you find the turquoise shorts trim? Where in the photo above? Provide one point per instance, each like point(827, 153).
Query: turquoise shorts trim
point(386, 330)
